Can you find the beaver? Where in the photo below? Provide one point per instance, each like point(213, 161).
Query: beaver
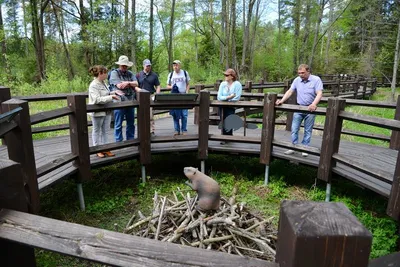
point(206, 187)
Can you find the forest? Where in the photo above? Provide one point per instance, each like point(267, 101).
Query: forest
point(60, 40)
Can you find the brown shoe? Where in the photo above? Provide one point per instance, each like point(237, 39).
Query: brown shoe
point(109, 154)
point(176, 133)
point(100, 155)
point(184, 133)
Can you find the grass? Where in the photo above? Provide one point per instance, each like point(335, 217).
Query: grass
point(116, 193)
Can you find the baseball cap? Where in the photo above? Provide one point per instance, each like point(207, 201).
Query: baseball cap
point(146, 62)
point(176, 62)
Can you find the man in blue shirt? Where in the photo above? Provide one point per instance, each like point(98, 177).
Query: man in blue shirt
point(309, 92)
point(149, 81)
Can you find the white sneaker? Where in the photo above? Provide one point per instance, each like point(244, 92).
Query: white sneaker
point(304, 154)
point(289, 152)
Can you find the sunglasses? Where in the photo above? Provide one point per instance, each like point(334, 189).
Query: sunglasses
point(227, 75)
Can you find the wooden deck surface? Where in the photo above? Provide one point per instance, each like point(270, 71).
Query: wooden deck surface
point(378, 159)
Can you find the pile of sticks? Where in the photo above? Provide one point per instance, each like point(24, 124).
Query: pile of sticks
point(231, 229)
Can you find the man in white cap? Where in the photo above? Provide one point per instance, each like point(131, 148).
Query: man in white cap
point(149, 81)
point(178, 81)
point(124, 83)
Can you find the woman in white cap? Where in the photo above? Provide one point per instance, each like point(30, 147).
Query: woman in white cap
point(229, 90)
point(99, 94)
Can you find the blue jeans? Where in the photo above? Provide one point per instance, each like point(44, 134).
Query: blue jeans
point(184, 117)
point(223, 114)
point(308, 127)
point(119, 114)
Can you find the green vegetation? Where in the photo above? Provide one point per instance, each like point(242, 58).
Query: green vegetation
point(116, 193)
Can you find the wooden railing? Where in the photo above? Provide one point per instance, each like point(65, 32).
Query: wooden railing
point(20, 148)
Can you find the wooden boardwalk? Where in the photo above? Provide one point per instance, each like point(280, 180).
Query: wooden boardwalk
point(379, 160)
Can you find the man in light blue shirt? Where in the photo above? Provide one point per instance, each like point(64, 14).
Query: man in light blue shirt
point(309, 92)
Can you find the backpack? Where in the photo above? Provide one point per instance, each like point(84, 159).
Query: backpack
point(170, 77)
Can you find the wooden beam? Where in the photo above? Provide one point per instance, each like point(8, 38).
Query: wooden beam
point(144, 128)
point(50, 115)
point(321, 234)
point(395, 137)
point(393, 208)
point(268, 128)
point(20, 149)
point(330, 138)
point(79, 136)
point(371, 120)
point(54, 164)
point(12, 196)
point(198, 88)
point(204, 124)
point(110, 248)
point(391, 260)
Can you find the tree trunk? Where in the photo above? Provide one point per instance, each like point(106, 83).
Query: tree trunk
point(133, 35)
point(396, 63)
point(317, 25)
point(151, 37)
point(306, 33)
point(246, 37)
point(4, 60)
point(84, 34)
point(24, 12)
point(233, 34)
point(296, 35)
point(195, 31)
point(329, 38)
point(224, 29)
point(71, 73)
point(38, 41)
point(253, 35)
point(171, 33)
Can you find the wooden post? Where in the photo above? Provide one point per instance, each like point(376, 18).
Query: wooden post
point(395, 137)
point(321, 234)
point(247, 88)
point(20, 149)
point(374, 85)
point(364, 85)
point(336, 88)
point(393, 208)
point(261, 90)
point(78, 131)
point(12, 196)
point(292, 100)
point(197, 88)
point(204, 123)
point(356, 86)
point(330, 138)
point(144, 128)
point(5, 94)
point(268, 128)
point(216, 88)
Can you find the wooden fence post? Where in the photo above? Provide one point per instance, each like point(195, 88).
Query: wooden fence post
point(78, 131)
point(204, 123)
point(364, 91)
point(12, 196)
point(267, 132)
point(197, 88)
point(261, 90)
point(215, 110)
point(247, 88)
point(330, 138)
point(356, 86)
point(393, 208)
point(292, 100)
point(144, 128)
point(395, 137)
point(321, 234)
point(5, 94)
point(20, 149)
